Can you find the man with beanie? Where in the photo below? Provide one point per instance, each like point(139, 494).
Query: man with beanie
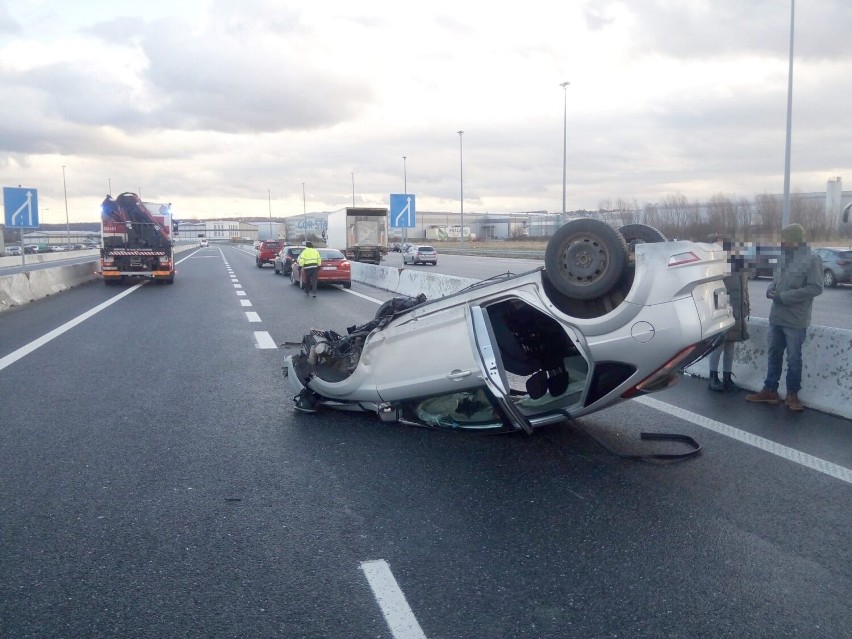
point(796, 281)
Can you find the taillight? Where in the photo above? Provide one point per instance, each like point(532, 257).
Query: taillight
point(345, 264)
point(844, 262)
point(683, 258)
point(660, 374)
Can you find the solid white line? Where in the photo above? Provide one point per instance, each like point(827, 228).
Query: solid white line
point(251, 316)
point(401, 621)
point(264, 340)
point(790, 454)
point(361, 295)
point(245, 302)
point(13, 357)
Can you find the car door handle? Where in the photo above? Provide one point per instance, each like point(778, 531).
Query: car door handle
point(458, 374)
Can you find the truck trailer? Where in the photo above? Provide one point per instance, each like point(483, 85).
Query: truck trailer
point(136, 240)
point(360, 232)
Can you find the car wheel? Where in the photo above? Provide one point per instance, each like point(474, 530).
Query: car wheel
point(585, 259)
point(258, 264)
point(347, 284)
point(829, 279)
point(292, 277)
point(641, 234)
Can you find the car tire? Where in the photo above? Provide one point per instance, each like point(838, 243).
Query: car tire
point(347, 284)
point(258, 264)
point(585, 259)
point(641, 234)
point(829, 279)
point(292, 278)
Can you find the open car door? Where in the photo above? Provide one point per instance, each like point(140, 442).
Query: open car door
point(490, 361)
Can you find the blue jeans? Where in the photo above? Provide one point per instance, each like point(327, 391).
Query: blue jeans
point(779, 338)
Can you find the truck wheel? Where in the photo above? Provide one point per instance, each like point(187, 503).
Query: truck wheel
point(585, 259)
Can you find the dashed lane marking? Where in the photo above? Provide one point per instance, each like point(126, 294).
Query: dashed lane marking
point(245, 302)
point(401, 621)
point(238, 285)
point(251, 316)
point(241, 292)
point(264, 340)
point(790, 454)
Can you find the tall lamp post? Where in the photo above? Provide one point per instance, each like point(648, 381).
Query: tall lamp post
point(461, 183)
point(269, 195)
point(109, 186)
point(304, 212)
point(564, 86)
point(404, 190)
point(353, 189)
point(785, 215)
point(67, 225)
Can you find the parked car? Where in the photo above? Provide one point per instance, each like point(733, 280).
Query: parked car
point(266, 252)
point(420, 254)
point(31, 248)
point(335, 269)
point(284, 260)
point(836, 265)
point(203, 242)
point(598, 324)
point(13, 250)
point(58, 249)
point(761, 260)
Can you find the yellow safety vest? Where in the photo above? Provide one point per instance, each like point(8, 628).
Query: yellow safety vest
point(309, 257)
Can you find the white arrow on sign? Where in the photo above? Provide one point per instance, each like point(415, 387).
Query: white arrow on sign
point(406, 211)
point(28, 205)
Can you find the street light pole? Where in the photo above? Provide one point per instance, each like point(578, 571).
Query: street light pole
point(304, 212)
point(461, 183)
point(67, 225)
point(564, 86)
point(269, 195)
point(353, 189)
point(109, 186)
point(785, 215)
point(404, 190)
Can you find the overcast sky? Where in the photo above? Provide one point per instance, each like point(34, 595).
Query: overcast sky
point(220, 106)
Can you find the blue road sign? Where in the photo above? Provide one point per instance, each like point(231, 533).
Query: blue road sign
point(402, 215)
point(21, 208)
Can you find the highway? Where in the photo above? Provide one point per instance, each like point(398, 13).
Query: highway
point(155, 481)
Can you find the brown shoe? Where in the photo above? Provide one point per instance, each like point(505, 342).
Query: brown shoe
point(793, 403)
point(765, 396)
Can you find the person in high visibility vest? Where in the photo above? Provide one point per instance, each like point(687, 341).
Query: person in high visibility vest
point(309, 263)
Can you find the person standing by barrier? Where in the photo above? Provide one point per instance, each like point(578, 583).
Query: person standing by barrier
point(796, 280)
point(736, 285)
point(309, 263)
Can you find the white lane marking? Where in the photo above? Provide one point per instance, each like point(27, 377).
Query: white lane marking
point(245, 302)
point(241, 292)
point(238, 285)
point(401, 621)
point(264, 340)
point(14, 356)
point(234, 280)
point(361, 295)
point(251, 316)
point(790, 454)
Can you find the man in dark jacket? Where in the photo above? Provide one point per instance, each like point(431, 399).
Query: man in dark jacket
point(796, 281)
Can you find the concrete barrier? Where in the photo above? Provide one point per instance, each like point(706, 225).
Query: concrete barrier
point(826, 369)
point(22, 288)
point(826, 374)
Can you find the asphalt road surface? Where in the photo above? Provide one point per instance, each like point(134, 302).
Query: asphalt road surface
point(155, 481)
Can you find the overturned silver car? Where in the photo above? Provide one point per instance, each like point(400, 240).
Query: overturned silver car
point(612, 314)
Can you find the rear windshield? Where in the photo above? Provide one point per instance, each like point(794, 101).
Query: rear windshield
point(294, 251)
point(425, 249)
point(272, 245)
point(331, 254)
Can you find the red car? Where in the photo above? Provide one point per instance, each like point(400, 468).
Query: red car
point(335, 269)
